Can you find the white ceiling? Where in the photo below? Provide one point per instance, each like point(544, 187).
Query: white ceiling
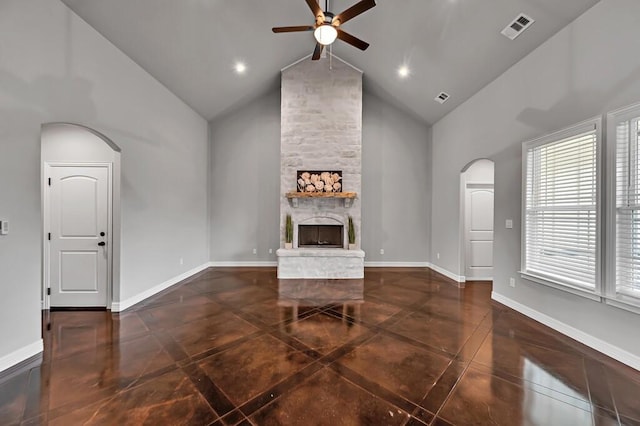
point(449, 45)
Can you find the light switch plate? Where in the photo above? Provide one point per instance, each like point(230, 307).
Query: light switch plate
point(4, 227)
point(509, 224)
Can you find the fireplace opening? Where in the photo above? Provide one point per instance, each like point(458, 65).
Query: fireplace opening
point(325, 236)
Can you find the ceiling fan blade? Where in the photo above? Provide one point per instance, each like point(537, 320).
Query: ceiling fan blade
point(354, 41)
point(353, 11)
point(317, 52)
point(316, 9)
point(292, 29)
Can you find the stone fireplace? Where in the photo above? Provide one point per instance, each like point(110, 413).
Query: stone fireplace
point(323, 229)
point(321, 130)
point(325, 236)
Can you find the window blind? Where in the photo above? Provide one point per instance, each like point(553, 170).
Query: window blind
point(560, 210)
point(628, 208)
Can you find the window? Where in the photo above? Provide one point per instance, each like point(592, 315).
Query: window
point(561, 218)
point(624, 246)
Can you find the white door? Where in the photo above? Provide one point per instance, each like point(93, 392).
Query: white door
point(79, 219)
point(479, 231)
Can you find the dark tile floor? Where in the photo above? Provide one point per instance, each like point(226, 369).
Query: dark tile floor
point(236, 346)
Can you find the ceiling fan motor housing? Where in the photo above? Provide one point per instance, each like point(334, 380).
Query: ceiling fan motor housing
point(328, 18)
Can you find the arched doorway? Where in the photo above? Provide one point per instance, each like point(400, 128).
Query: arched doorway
point(477, 204)
point(81, 223)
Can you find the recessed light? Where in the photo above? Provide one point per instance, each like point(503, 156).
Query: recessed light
point(403, 71)
point(240, 67)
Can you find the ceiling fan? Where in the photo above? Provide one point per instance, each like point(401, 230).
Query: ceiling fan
point(327, 26)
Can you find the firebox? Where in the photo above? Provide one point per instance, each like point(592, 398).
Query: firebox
point(325, 236)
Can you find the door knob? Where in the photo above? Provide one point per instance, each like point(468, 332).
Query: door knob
point(101, 243)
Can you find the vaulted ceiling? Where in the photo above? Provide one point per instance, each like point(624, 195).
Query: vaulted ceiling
point(192, 46)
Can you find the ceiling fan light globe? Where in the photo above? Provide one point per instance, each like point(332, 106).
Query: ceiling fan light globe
point(325, 34)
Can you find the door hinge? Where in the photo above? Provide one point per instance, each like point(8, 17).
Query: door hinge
point(48, 291)
point(49, 236)
point(49, 181)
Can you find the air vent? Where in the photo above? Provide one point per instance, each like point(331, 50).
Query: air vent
point(441, 98)
point(517, 26)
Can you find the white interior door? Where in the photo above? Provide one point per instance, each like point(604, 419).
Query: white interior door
point(479, 231)
point(79, 220)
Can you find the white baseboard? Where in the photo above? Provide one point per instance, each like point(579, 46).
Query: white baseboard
point(240, 264)
point(478, 278)
point(448, 274)
point(397, 264)
point(226, 264)
point(606, 348)
point(245, 264)
point(21, 354)
point(122, 305)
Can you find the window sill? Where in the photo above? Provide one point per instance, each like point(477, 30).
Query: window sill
point(622, 301)
point(578, 291)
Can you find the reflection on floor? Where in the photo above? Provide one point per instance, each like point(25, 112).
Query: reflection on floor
point(235, 346)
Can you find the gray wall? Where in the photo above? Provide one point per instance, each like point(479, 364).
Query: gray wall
point(245, 150)
point(396, 184)
point(584, 70)
point(53, 68)
point(245, 182)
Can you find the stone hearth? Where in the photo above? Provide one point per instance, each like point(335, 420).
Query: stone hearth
point(320, 263)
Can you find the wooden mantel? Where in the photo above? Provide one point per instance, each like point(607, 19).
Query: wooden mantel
point(348, 197)
point(294, 194)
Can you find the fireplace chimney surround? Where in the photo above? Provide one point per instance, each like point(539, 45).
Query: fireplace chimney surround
point(321, 134)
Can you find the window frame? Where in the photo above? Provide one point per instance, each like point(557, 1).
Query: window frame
point(591, 125)
point(611, 296)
